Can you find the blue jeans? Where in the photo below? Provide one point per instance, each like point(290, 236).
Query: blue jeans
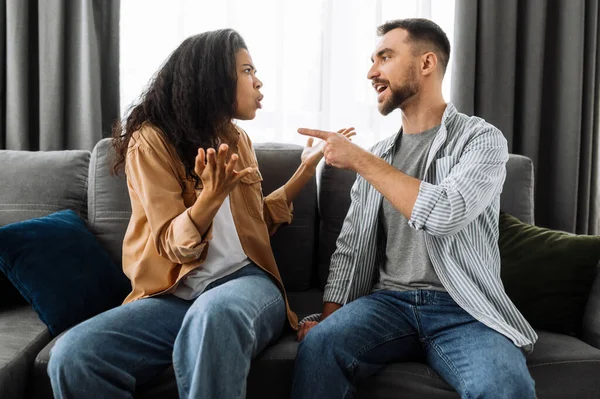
point(385, 327)
point(210, 341)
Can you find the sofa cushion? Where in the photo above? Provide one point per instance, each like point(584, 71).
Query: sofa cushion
point(109, 208)
point(59, 267)
point(22, 337)
point(591, 315)
point(38, 183)
point(517, 192)
point(547, 274)
point(562, 366)
point(334, 200)
point(9, 295)
point(293, 244)
point(307, 302)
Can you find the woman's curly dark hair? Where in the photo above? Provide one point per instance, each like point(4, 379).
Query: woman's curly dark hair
point(191, 99)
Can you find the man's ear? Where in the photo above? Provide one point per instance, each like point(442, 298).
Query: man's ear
point(429, 63)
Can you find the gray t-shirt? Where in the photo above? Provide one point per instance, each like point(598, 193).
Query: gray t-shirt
point(407, 265)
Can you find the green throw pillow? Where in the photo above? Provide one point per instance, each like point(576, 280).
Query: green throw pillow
point(547, 273)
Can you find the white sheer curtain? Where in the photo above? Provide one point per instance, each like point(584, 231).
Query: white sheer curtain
point(312, 55)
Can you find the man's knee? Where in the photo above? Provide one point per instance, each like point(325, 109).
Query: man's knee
point(314, 340)
point(511, 382)
point(321, 345)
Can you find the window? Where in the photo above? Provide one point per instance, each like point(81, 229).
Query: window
point(312, 56)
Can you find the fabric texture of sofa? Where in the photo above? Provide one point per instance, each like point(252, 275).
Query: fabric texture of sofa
point(34, 184)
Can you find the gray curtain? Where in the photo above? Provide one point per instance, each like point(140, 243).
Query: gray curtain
point(59, 73)
point(532, 68)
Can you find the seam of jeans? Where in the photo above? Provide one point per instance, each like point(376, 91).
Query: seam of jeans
point(267, 306)
point(182, 380)
point(420, 331)
point(260, 313)
point(449, 363)
point(350, 389)
point(383, 340)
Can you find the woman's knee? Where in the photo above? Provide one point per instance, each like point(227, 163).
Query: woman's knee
point(68, 353)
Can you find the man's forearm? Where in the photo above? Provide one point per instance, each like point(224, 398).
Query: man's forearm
point(329, 308)
point(400, 189)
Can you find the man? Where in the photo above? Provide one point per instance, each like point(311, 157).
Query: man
point(416, 271)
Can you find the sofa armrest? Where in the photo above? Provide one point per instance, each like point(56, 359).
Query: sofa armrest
point(591, 315)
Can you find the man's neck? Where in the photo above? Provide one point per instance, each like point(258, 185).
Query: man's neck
point(421, 115)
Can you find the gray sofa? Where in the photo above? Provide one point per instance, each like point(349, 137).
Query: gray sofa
point(34, 184)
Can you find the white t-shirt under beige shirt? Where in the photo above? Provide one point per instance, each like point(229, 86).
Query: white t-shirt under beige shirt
point(225, 256)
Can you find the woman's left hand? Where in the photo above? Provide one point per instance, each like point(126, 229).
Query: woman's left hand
point(313, 154)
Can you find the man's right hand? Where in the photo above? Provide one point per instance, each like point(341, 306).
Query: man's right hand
point(218, 176)
point(328, 309)
point(304, 329)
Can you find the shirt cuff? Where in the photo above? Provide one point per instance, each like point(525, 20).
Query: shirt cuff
point(189, 243)
point(429, 195)
point(312, 317)
point(276, 204)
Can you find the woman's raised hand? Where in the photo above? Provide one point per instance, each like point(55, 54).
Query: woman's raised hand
point(218, 175)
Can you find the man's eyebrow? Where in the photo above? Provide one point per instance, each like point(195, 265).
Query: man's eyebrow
point(382, 52)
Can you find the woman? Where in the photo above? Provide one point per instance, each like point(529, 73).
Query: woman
point(207, 296)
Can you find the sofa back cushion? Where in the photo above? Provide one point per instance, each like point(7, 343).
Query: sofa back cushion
point(294, 244)
point(517, 193)
point(38, 183)
point(109, 209)
point(334, 199)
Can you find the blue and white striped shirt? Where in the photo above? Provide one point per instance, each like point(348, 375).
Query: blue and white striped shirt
point(457, 206)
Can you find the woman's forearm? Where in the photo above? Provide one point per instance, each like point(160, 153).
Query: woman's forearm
point(204, 210)
point(298, 180)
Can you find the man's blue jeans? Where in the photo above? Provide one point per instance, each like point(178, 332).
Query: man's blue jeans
point(210, 341)
point(386, 326)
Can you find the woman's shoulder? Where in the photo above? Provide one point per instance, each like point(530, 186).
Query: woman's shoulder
point(244, 146)
point(243, 136)
point(149, 138)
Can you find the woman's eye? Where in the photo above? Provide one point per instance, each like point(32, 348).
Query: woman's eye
point(247, 70)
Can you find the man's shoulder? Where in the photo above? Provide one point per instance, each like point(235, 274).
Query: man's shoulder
point(462, 124)
point(464, 130)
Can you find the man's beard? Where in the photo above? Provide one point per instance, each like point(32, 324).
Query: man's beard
point(398, 96)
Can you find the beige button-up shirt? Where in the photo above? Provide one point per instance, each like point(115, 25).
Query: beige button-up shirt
point(162, 244)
